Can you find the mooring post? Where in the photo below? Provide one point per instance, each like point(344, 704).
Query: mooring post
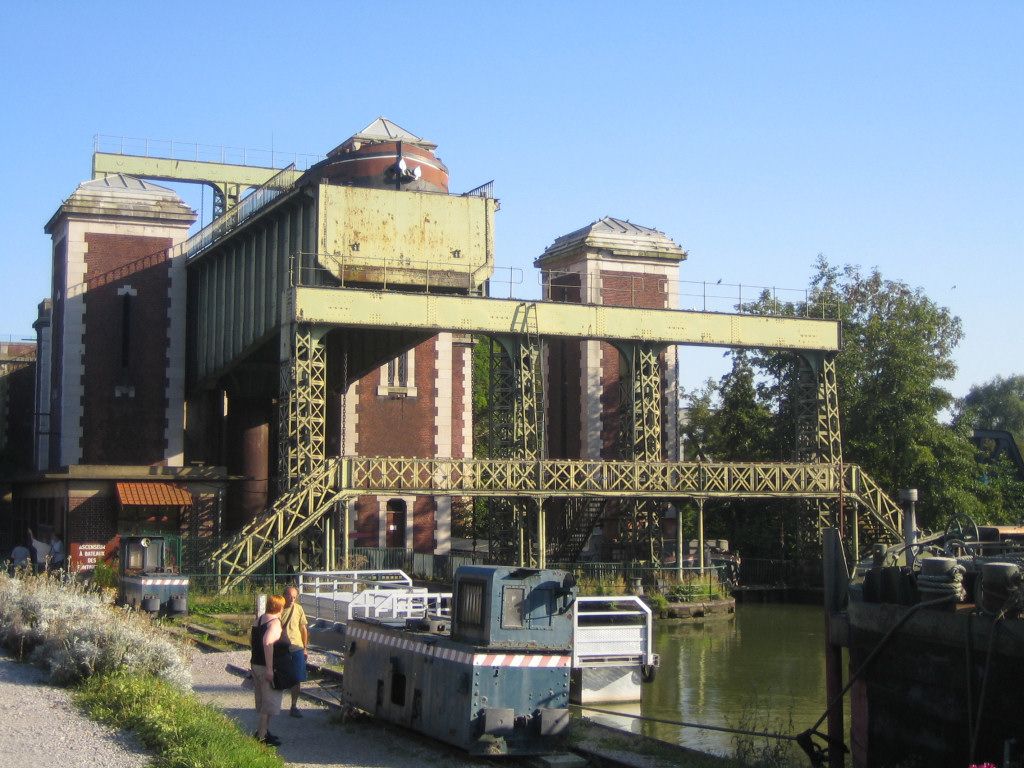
point(679, 541)
point(700, 534)
point(908, 496)
point(836, 582)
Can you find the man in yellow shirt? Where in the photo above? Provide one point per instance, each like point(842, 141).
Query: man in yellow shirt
point(293, 622)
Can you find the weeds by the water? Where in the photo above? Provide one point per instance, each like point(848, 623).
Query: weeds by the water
point(765, 751)
point(183, 732)
point(74, 632)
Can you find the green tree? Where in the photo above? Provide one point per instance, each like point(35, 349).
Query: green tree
point(996, 404)
point(897, 351)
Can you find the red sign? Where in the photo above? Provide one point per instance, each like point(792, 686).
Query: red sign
point(85, 555)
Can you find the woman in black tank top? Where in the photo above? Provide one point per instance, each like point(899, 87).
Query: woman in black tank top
point(264, 638)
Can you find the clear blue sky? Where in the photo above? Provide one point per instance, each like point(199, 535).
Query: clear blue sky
point(757, 135)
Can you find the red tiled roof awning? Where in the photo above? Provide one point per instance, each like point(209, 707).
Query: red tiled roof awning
point(152, 495)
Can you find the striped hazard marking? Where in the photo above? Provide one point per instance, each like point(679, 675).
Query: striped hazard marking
point(525, 660)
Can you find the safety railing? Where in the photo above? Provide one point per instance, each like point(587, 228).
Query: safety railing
point(581, 477)
point(640, 287)
point(402, 274)
point(319, 582)
point(237, 215)
point(612, 631)
point(385, 595)
point(399, 604)
point(176, 149)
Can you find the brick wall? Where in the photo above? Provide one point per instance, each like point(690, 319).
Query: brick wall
point(367, 521)
point(125, 354)
point(460, 357)
point(564, 430)
point(92, 518)
point(401, 426)
point(423, 518)
point(630, 289)
point(57, 350)
point(199, 530)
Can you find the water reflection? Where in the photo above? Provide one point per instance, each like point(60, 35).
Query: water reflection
point(762, 669)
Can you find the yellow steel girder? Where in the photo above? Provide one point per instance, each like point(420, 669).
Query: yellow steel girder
point(432, 312)
point(167, 169)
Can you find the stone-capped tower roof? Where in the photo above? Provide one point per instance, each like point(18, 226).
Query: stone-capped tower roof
point(615, 238)
point(124, 196)
point(381, 130)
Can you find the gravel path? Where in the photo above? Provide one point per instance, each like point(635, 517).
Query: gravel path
point(316, 740)
point(40, 726)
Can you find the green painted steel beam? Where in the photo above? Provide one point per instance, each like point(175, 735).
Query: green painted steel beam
point(166, 169)
point(432, 312)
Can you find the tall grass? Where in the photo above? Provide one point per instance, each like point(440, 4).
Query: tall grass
point(75, 632)
point(182, 731)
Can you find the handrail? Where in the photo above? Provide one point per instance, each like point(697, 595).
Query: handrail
point(645, 654)
point(238, 214)
point(378, 579)
point(178, 149)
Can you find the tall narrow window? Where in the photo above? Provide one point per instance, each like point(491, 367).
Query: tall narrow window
point(126, 328)
point(397, 378)
point(398, 371)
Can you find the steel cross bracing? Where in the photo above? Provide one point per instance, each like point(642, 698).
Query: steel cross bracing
point(298, 508)
point(818, 435)
point(307, 501)
point(302, 404)
point(645, 402)
point(515, 429)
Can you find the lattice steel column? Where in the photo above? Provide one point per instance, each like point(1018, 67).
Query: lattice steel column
point(645, 402)
point(302, 404)
point(640, 439)
point(529, 415)
point(516, 431)
point(818, 434)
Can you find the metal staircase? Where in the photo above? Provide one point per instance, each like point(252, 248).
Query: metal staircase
point(883, 519)
point(581, 514)
point(298, 508)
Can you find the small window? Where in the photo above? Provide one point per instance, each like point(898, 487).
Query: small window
point(470, 612)
point(512, 599)
point(126, 328)
point(398, 371)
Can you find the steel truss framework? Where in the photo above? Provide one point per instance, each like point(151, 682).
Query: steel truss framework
point(310, 501)
point(818, 432)
point(641, 440)
point(302, 405)
point(516, 432)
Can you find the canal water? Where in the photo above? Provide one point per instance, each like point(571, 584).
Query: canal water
point(764, 669)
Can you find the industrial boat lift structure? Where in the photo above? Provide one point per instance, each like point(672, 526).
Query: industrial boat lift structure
point(303, 280)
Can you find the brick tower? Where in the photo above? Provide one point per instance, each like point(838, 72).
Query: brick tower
point(117, 327)
point(616, 263)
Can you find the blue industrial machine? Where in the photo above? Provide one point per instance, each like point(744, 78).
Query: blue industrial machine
point(146, 583)
point(497, 683)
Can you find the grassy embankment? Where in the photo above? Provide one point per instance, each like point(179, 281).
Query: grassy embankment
point(126, 671)
point(182, 731)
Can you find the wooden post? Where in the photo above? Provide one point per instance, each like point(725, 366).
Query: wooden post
point(700, 534)
point(837, 580)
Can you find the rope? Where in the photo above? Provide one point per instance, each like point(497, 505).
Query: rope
point(875, 651)
point(698, 726)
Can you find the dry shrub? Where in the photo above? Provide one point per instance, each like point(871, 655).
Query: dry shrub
point(75, 632)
